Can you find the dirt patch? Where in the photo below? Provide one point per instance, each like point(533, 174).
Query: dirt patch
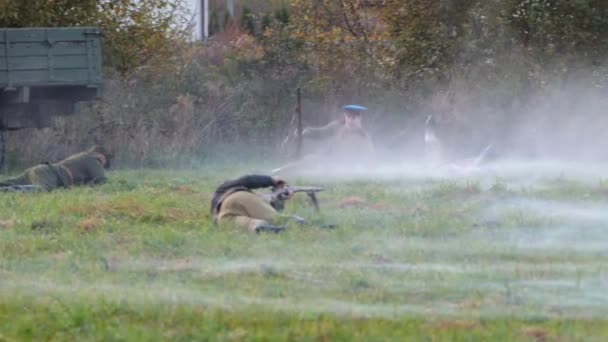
point(44, 225)
point(82, 210)
point(182, 189)
point(419, 209)
point(465, 191)
point(459, 213)
point(353, 202)
point(120, 238)
point(176, 214)
point(7, 224)
point(126, 207)
point(356, 202)
point(470, 304)
point(538, 334)
point(379, 258)
point(60, 255)
point(176, 265)
point(90, 224)
point(131, 209)
point(382, 206)
point(455, 325)
point(361, 203)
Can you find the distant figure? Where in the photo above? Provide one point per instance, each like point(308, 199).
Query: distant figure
point(85, 168)
point(234, 202)
point(432, 146)
point(346, 141)
point(435, 153)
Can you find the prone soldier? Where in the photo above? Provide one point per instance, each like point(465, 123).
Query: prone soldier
point(85, 168)
point(234, 202)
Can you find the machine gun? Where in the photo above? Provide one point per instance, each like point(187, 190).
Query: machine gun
point(21, 188)
point(278, 196)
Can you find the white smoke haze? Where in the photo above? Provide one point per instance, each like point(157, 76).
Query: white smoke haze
point(558, 129)
point(552, 264)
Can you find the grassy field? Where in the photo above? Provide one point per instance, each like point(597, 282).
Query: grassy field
point(414, 258)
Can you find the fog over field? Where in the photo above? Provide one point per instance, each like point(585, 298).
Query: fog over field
point(525, 240)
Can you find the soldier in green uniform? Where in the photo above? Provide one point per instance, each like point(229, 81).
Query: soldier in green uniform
point(235, 203)
point(345, 142)
point(85, 168)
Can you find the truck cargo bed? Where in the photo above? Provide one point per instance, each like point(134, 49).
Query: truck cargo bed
point(43, 57)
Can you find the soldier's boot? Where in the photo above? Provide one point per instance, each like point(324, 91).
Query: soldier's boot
point(269, 228)
point(256, 225)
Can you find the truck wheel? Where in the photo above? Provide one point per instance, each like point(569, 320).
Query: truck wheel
point(1, 150)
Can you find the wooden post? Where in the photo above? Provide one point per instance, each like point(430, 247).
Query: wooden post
point(204, 19)
point(230, 7)
point(299, 132)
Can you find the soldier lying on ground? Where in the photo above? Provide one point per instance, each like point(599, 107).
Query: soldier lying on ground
point(346, 142)
point(85, 168)
point(234, 202)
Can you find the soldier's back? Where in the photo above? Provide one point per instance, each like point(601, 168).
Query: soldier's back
point(84, 167)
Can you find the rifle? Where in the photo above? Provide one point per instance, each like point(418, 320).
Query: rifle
point(278, 196)
point(21, 188)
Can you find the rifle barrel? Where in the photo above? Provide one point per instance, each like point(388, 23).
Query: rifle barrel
point(306, 189)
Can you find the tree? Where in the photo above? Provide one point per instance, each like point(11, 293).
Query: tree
point(558, 27)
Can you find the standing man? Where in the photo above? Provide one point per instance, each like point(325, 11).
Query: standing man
point(350, 124)
point(234, 202)
point(85, 168)
point(346, 141)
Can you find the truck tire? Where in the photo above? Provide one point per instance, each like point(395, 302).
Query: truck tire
point(2, 149)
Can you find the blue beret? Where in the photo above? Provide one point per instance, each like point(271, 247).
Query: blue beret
point(356, 108)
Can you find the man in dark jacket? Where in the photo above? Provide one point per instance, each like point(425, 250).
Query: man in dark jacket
point(234, 202)
point(85, 168)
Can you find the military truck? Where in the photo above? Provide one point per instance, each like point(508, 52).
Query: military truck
point(45, 72)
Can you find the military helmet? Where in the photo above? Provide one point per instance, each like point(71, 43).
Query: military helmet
point(354, 110)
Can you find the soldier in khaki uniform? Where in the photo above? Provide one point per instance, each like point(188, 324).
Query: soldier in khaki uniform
point(346, 141)
point(344, 132)
point(235, 203)
point(85, 168)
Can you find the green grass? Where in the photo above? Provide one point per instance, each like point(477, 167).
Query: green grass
point(415, 259)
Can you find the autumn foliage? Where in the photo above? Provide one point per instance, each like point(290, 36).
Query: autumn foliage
point(478, 65)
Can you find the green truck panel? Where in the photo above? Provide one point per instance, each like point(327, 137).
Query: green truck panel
point(45, 72)
point(40, 57)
